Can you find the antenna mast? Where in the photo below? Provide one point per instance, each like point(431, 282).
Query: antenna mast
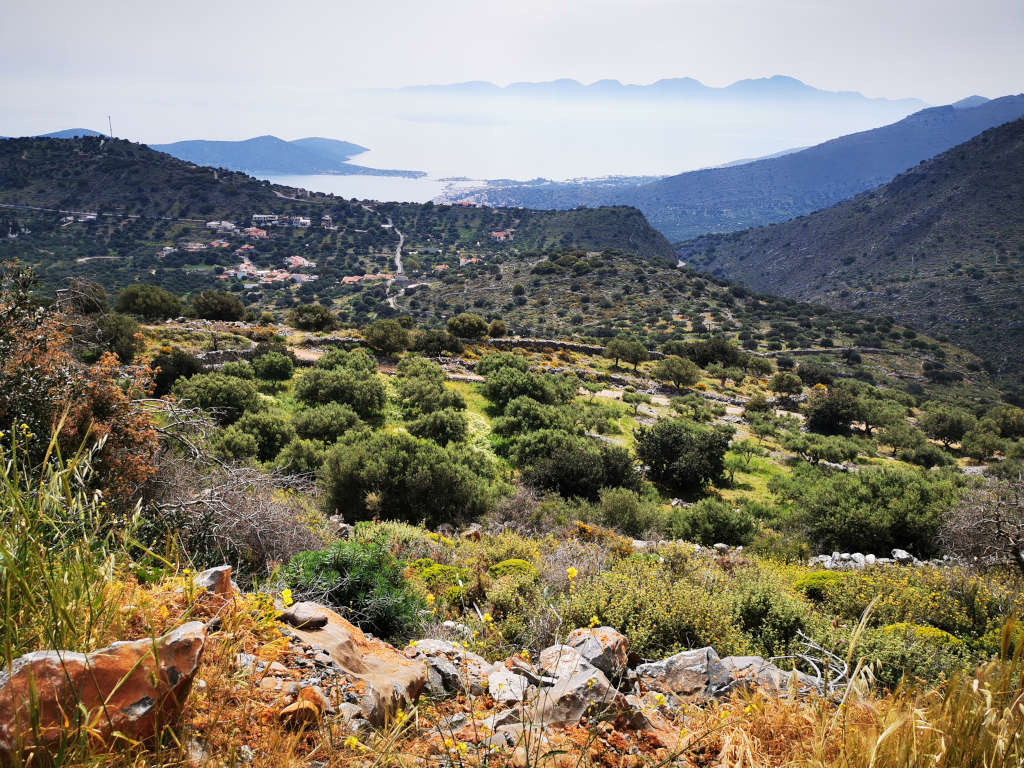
point(110, 127)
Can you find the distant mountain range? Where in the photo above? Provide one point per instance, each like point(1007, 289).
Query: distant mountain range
point(734, 197)
point(775, 89)
point(271, 155)
point(939, 248)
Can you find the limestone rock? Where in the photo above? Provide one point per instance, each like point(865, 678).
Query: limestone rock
point(140, 686)
point(387, 679)
point(506, 687)
point(452, 668)
point(216, 581)
point(562, 661)
point(305, 615)
point(756, 671)
point(573, 696)
point(690, 674)
point(603, 647)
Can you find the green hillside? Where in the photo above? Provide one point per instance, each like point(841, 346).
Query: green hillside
point(940, 248)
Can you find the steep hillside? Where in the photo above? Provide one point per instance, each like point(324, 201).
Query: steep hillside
point(940, 248)
point(269, 154)
point(151, 212)
point(775, 189)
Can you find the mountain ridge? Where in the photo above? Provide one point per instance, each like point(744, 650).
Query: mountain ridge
point(939, 248)
point(767, 190)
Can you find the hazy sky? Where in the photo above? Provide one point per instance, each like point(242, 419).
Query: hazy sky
point(230, 69)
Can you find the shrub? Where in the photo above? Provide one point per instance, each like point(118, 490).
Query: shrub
point(363, 392)
point(227, 397)
point(660, 612)
point(273, 366)
point(494, 361)
point(506, 384)
point(435, 343)
point(447, 583)
point(272, 431)
point(300, 457)
point(387, 336)
point(148, 301)
point(904, 652)
point(408, 478)
point(171, 365)
point(217, 305)
point(497, 329)
point(116, 333)
point(514, 566)
point(236, 444)
point(572, 465)
point(325, 423)
point(711, 521)
point(356, 360)
point(363, 582)
point(524, 414)
point(626, 510)
point(768, 614)
point(872, 511)
point(816, 584)
point(312, 317)
point(443, 427)
point(467, 326)
point(832, 412)
point(240, 369)
point(681, 455)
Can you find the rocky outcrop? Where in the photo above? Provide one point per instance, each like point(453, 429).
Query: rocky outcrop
point(688, 675)
point(382, 679)
point(451, 668)
point(128, 691)
point(602, 647)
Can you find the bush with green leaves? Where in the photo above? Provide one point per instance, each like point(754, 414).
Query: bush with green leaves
point(325, 423)
point(357, 360)
point(387, 336)
point(235, 444)
point(312, 317)
point(271, 429)
point(628, 511)
point(624, 348)
point(571, 464)
point(506, 383)
point(273, 366)
point(495, 361)
point(226, 396)
point(817, 448)
point(682, 455)
point(217, 305)
point(524, 414)
point(117, 333)
point(300, 457)
point(467, 326)
point(909, 653)
point(832, 412)
point(712, 521)
point(444, 426)
point(240, 369)
point(362, 581)
point(926, 455)
point(149, 301)
point(363, 392)
point(768, 614)
point(421, 388)
point(171, 365)
point(871, 511)
point(402, 477)
point(435, 343)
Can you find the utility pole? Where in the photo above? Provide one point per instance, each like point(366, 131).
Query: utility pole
point(110, 127)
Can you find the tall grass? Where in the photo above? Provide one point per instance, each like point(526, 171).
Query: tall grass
point(59, 585)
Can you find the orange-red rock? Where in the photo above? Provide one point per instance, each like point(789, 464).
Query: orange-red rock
point(134, 689)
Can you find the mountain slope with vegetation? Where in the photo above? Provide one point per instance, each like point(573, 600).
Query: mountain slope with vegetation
point(940, 248)
point(775, 189)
